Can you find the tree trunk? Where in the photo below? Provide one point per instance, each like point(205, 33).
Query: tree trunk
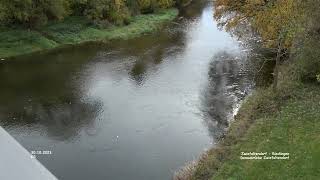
point(276, 68)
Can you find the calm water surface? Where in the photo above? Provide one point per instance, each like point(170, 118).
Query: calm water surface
point(136, 109)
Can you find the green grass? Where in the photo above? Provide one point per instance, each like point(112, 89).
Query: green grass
point(292, 125)
point(17, 42)
point(76, 30)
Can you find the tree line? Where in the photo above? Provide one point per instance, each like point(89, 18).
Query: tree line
point(33, 13)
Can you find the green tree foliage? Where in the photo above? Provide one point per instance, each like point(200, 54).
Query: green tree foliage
point(114, 11)
point(33, 13)
point(147, 6)
point(133, 6)
point(165, 3)
point(78, 7)
point(119, 12)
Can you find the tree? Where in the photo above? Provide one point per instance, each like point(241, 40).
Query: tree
point(276, 21)
point(165, 3)
point(147, 6)
point(32, 12)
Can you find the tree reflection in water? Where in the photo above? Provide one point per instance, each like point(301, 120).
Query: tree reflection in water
point(228, 83)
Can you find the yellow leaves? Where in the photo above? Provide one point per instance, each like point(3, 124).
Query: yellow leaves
point(276, 20)
point(233, 22)
point(165, 3)
point(270, 19)
point(118, 4)
point(145, 4)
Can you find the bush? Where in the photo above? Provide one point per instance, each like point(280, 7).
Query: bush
point(133, 7)
point(32, 13)
point(307, 64)
point(165, 3)
point(119, 13)
point(147, 6)
point(96, 9)
point(101, 11)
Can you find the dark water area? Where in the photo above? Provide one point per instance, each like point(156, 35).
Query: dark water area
point(136, 109)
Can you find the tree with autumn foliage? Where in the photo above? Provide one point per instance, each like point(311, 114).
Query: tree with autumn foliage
point(277, 22)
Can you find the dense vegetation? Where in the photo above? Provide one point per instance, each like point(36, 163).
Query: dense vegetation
point(33, 13)
point(28, 26)
point(76, 30)
point(285, 26)
point(282, 117)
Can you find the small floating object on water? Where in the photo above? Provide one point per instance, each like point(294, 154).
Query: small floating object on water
point(2, 59)
point(115, 139)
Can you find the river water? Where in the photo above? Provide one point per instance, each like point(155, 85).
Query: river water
point(136, 109)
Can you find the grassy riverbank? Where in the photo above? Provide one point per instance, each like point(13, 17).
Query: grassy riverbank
point(77, 30)
point(286, 120)
point(269, 122)
point(283, 118)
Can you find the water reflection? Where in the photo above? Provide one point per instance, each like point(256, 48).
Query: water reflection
point(49, 101)
point(130, 109)
point(58, 120)
point(229, 81)
point(138, 71)
point(195, 11)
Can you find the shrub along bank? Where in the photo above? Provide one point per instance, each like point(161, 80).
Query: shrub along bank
point(35, 25)
point(77, 30)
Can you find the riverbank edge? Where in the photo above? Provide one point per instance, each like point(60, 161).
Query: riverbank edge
point(265, 122)
point(75, 31)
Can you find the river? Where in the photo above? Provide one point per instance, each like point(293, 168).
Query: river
point(136, 109)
